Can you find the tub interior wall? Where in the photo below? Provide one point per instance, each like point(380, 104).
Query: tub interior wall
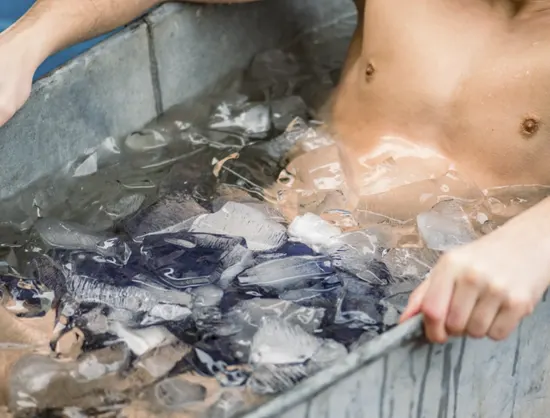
point(172, 55)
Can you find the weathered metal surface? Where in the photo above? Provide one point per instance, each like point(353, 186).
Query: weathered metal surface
point(174, 54)
point(399, 375)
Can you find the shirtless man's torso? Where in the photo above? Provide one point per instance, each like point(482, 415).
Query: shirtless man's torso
point(467, 78)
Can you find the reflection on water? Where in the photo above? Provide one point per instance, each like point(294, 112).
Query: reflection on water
point(204, 264)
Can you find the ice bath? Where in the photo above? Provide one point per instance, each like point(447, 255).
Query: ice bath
point(216, 258)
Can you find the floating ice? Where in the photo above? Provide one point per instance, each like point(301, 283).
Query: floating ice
point(278, 342)
point(445, 226)
point(288, 273)
point(140, 341)
point(170, 213)
point(69, 236)
point(313, 230)
point(241, 117)
point(235, 219)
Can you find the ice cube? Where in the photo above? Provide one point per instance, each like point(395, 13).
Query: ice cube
point(252, 311)
point(70, 236)
point(236, 219)
point(86, 167)
point(146, 140)
point(169, 312)
point(141, 341)
point(410, 262)
point(279, 148)
point(358, 308)
point(402, 204)
point(354, 252)
point(445, 226)
point(287, 273)
point(278, 342)
point(206, 296)
point(171, 211)
point(269, 379)
point(125, 206)
point(312, 230)
point(509, 201)
point(131, 298)
point(206, 311)
point(323, 296)
point(326, 355)
point(240, 117)
point(182, 260)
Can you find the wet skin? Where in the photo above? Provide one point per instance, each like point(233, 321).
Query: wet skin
point(470, 79)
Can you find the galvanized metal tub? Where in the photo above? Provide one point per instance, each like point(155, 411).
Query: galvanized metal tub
point(177, 53)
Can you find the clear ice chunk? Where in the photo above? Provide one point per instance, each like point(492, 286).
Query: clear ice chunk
point(236, 219)
point(324, 295)
point(445, 226)
point(86, 167)
point(358, 308)
point(169, 214)
point(241, 117)
point(166, 313)
point(69, 236)
point(125, 206)
point(410, 262)
point(141, 341)
point(269, 379)
point(252, 311)
point(288, 273)
point(314, 231)
point(402, 204)
point(278, 342)
point(354, 253)
point(182, 260)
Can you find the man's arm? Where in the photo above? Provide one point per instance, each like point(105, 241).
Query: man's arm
point(52, 25)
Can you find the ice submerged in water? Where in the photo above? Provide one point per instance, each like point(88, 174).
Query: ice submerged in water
point(259, 304)
point(217, 286)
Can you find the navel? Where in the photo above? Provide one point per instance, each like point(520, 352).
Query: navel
point(529, 126)
point(369, 72)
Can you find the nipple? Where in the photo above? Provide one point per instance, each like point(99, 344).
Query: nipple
point(530, 126)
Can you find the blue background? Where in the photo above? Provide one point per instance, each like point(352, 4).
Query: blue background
point(11, 10)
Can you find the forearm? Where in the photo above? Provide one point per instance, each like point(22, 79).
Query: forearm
point(51, 25)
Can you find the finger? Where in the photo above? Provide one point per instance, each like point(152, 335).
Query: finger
point(463, 301)
point(505, 322)
point(437, 299)
point(483, 316)
point(415, 301)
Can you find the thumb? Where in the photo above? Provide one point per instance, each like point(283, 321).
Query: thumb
point(415, 301)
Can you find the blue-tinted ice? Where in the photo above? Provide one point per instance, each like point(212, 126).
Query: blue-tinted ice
point(278, 303)
point(210, 268)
